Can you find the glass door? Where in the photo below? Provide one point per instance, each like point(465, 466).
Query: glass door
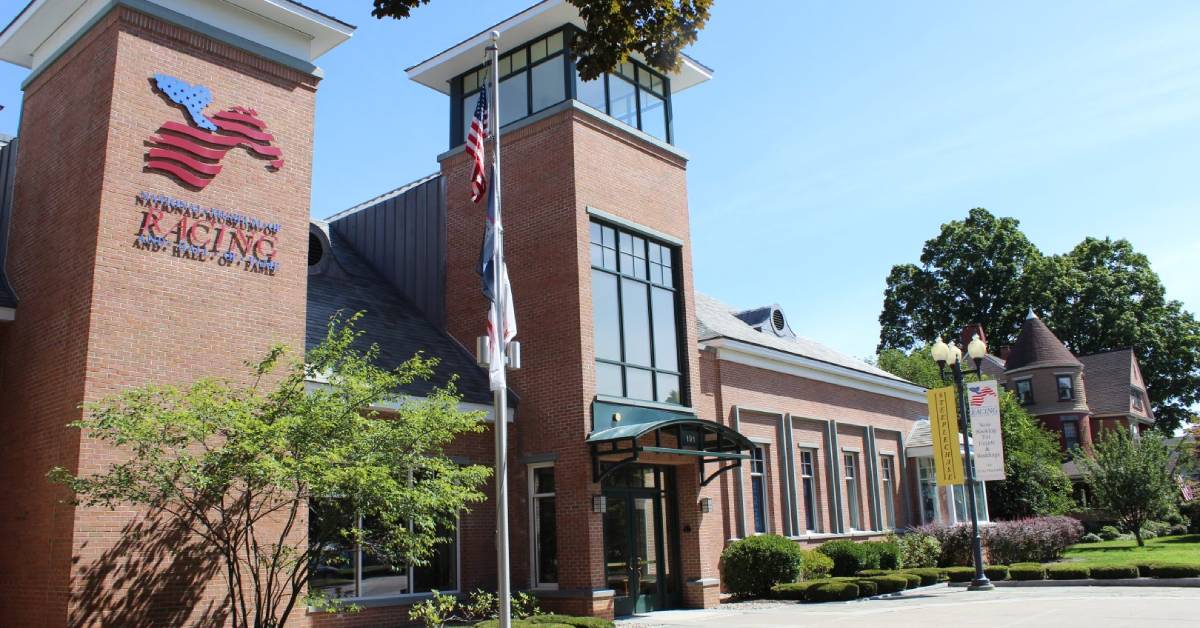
point(637, 566)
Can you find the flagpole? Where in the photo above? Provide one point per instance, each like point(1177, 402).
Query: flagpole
point(503, 592)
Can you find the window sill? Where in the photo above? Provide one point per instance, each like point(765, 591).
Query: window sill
point(389, 600)
point(656, 405)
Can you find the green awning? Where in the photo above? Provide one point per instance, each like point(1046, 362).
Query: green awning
point(711, 439)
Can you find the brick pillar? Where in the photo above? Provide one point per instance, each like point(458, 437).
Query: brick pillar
point(100, 314)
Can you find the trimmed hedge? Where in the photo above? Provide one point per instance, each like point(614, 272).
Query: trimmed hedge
point(874, 572)
point(928, 575)
point(1158, 570)
point(792, 590)
point(996, 572)
point(960, 574)
point(754, 564)
point(831, 591)
point(849, 557)
point(889, 583)
point(1067, 572)
point(1027, 571)
point(1114, 572)
point(523, 623)
point(867, 587)
point(913, 579)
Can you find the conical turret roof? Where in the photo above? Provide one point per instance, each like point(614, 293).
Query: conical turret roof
point(1037, 346)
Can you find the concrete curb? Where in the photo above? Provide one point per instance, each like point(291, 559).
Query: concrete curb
point(1126, 582)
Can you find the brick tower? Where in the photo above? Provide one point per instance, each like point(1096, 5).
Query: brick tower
point(159, 234)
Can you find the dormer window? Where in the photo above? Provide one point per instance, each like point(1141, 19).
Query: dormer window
point(1135, 397)
point(538, 74)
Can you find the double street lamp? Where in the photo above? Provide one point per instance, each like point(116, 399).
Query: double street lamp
point(943, 354)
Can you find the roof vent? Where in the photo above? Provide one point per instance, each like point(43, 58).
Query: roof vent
point(777, 320)
point(768, 320)
point(316, 251)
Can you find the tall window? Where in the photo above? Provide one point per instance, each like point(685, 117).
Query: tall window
point(1066, 388)
point(808, 484)
point(927, 479)
point(1135, 396)
point(851, 478)
point(758, 488)
point(635, 316)
point(543, 528)
point(961, 514)
point(1024, 391)
point(1070, 430)
point(889, 492)
point(350, 571)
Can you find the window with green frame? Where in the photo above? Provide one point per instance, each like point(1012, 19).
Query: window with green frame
point(537, 75)
point(532, 78)
point(634, 94)
point(635, 313)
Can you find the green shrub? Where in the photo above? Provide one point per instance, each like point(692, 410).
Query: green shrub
point(1067, 572)
point(831, 591)
point(889, 584)
point(814, 565)
point(1090, 537)
point(1110, 533)
point(1114, 572)
point(928, 575)
point(792, 590)
point(919, 550)
point(1158, 570)
point(996, 572)
point(523, 623)
point(1177, 529)
point(849, 557)
point(754, 564)
point(960, 574)
point(1027, 571)
point(886, 554)
point(568, 620)
point(1157, 528)
point(874, 572)
point(867, 587)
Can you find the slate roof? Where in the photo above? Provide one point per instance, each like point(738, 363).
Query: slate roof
point(1109, 378)
point(1037, 346)
point(717, 320)
point(348, 284)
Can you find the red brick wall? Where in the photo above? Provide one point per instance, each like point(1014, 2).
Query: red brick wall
point(811, 403)
point(99, 316)
point(553, 170)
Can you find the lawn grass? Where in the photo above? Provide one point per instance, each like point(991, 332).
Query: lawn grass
point(1167, 550)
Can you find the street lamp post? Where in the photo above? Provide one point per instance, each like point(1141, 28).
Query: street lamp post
point(944, 353)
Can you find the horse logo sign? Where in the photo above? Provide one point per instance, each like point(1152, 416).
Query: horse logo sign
point(193, 154)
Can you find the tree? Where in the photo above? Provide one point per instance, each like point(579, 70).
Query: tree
point(1129, 479)
point(1034, 483)
point(1101, 295)
point(243, 466)
point(970, 273)
point(658, 30)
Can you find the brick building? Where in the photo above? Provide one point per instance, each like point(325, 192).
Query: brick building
point(1075, 396)
point(651, 424)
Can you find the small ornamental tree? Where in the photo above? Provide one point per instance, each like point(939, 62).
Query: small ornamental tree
point(1129, 479)
point(243, 466)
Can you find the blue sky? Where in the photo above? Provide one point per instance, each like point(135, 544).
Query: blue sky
point(835, 138)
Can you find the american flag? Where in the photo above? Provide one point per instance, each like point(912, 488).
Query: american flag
point(488, 258)
point(475, 139)
point(979, 393)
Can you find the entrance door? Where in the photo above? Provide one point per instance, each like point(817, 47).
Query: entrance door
point(637, 560)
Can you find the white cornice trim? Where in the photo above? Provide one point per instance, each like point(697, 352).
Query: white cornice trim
point(781, 362)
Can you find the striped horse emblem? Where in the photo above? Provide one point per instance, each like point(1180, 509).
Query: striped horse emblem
point(193, 154)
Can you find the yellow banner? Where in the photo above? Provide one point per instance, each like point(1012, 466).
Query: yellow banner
point(943, 426)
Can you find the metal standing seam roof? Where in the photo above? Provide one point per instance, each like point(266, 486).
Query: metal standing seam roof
point(715, 319)
point(636, 430)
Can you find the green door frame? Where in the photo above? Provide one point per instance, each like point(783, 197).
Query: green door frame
point(665, 514)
